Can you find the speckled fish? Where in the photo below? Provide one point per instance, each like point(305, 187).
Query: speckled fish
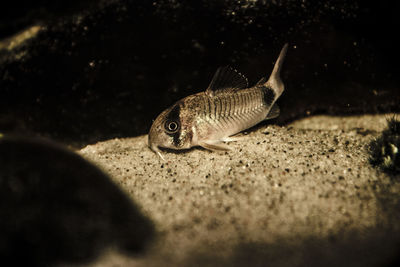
point(225, 108)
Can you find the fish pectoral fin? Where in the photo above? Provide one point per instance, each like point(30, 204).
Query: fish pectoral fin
point(273, 112)
point(233, 138)
point(213, 146)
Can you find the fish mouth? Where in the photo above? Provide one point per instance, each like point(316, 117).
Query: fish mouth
point(156, 149)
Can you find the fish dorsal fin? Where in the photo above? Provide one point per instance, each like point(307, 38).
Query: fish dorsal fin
point(226, 79)
point(262, 81)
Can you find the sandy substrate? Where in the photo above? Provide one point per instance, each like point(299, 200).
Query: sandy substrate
point(300, 194)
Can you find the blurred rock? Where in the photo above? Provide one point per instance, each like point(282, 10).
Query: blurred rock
point(55, 207)
point(384, 149)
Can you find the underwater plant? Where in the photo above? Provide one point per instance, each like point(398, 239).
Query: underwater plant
point(384, 150)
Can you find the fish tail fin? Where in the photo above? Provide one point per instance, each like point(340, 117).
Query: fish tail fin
point(274, 80)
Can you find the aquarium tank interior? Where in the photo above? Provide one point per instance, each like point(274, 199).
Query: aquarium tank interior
point(81, 83)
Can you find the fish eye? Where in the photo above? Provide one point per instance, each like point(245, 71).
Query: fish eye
point(171, 126)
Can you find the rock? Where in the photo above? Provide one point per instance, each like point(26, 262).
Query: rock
point(56, 207)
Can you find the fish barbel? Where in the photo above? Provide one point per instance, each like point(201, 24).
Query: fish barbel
point(225, 108)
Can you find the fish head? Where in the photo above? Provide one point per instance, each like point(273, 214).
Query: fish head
point(170, 130)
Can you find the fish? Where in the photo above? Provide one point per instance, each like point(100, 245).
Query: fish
point(211, 117)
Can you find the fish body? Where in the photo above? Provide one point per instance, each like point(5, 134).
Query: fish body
point(225, 108)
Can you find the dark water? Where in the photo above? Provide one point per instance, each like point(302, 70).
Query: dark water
point(104, 69)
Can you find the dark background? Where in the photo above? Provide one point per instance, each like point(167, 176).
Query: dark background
point(104, 69)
